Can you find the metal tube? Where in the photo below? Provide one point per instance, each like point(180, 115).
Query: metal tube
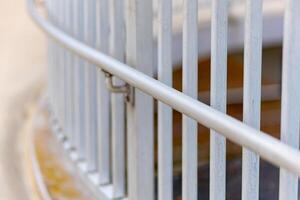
point(76, 82)
point(190, 88)
point(51, 57)
point(218, 97)
point(55, 63)
point(72, 67)
point(103, 95)
point(117, 21)
point(91, 89)
point(80, 83)
point(58, 75)
point(68, 73)
point(252, 94)
point(165, 132)
point(87, 89)
point(140, 114)
point(290, 107)
point(62, 68)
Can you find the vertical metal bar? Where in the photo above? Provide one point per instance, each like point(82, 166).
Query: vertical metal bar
point(55, 59)
point(61, 70)
point(58, 68)
point(140, 114)
point(76, 81)
point(90, 92)
point(165, 139)
point(78, 104)
point(65, 68)
point(72, 76)
point(57, 62)
point(70, 67)
point(118, 110)
point(87, 88)
point(67, 71)
point(190, 73)
point(49, 5)
point(218, 97)
point(80, 83)
point(252, 94)
point(290, 109)
point(54, 67)
point(103, 96)
point(93, 88)
point(62, 61)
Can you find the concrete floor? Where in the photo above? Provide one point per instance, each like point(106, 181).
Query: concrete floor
point(22, 72)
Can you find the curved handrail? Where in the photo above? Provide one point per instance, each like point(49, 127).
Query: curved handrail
point(266, 146)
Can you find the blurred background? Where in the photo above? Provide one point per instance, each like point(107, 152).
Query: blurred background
point(22, 72)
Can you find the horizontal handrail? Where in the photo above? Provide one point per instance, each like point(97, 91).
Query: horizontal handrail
point(266, 146)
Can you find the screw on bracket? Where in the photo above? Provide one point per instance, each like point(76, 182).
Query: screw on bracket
point(125, 89)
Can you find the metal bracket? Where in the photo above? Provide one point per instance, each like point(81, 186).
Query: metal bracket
point(126, 89)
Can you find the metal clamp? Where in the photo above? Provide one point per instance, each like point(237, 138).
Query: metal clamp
point(126, 89)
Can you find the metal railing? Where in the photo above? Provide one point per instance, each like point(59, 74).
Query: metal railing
point(104, 108)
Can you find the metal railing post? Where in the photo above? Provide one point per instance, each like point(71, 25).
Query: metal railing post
point(218, 95)
point(290, 108)
point(140, 136)
point(117, 50)
point(190, 88)
point(165, 118)
point(252, 94)
point(103, 95)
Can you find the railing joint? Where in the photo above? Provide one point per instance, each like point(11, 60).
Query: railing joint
point(126, 89)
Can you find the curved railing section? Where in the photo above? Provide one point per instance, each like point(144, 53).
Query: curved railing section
point(80, 95)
